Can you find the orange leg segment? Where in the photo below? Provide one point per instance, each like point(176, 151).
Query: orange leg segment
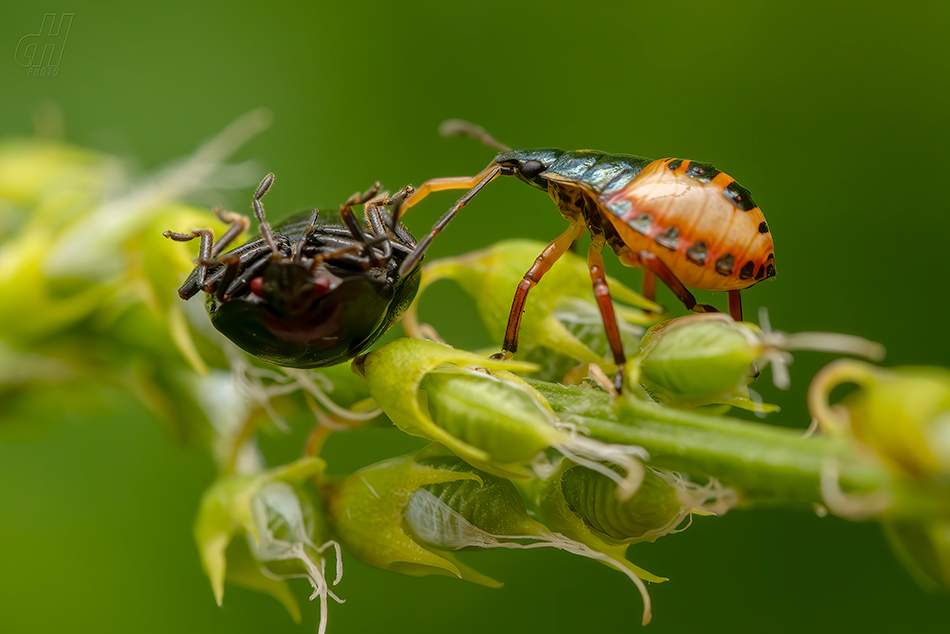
point(595, 263)
point(655, 265)
point(735, 305)
point(443, 184)
point(486, 176)
point(649, 285)
point(541, 265)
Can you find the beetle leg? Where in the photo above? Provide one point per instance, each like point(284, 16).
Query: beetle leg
point(595, 262)
point(374, 216)
point(208, 249)
point(541, 265)
point(231, 283)
point(655, 265)
point(369, 244)
point(298, 248)
point(266, 232)
point(237, 224)
point(735, 305)
point(395, 227)
point(205, 259)
point(487, 176)
point(231, 267)
point(349, 219)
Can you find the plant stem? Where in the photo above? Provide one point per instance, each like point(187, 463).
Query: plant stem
point(765, 464)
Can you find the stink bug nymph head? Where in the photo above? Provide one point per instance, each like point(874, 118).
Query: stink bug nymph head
point(529, 165)
point(312, 291)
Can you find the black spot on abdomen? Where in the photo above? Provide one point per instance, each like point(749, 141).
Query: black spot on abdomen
point(697, 253)
point(740, 197)
point(642, 223)
point(702, 172)
point(668, 238)
point(725, 264)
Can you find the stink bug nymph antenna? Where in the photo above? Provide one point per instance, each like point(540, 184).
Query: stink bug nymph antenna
point(460, 127)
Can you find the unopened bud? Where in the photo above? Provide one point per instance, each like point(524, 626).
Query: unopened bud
point(710, 358)
point(660, 506)
point(903, 414)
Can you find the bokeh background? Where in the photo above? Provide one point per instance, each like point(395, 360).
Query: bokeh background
point(832, 114)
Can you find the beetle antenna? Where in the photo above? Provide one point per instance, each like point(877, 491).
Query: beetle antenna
point(461, 127)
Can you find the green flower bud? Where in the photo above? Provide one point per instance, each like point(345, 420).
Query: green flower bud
point(409, 514)
point(661, 504)
point(488, 512)
point(284, 535)
point(494, 421)
point(367, 510)
point(902, 414)
point(502, 418)
point(484, 512)
point(582, 505)
point(560, 313)
point(691, 359)
point(473, 413)
point(709, 358)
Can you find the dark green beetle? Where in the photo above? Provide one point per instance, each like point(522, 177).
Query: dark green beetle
point(311, 291)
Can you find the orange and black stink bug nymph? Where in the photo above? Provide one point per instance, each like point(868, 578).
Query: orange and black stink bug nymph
point(680, 220)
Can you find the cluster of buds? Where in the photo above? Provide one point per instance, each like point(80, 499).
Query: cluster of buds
point(410, 515)
point(901, 416)
point(514, 463)
point(280, 532)
point(482, 412)
point(520, 463)
point(83, 253)
point(500, 446)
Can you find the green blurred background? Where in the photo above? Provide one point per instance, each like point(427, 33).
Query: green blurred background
point(833, 115)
